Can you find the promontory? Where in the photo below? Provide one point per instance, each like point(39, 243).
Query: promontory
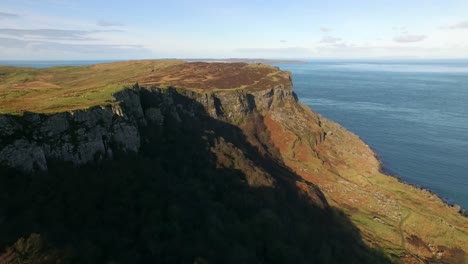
point(175, 162)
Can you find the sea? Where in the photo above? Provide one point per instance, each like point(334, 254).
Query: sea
point(413, 113)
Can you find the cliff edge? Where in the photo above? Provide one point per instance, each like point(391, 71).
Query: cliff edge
point(241, 118)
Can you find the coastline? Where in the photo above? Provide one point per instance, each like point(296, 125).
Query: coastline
point(384, 170)
point(403, 111)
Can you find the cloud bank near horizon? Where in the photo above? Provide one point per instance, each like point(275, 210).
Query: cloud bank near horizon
point(409, 38)
point(93, 30)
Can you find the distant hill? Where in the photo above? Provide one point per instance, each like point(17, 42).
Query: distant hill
point(264, 61)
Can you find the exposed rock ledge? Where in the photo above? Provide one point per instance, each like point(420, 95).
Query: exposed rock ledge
point(30, 141)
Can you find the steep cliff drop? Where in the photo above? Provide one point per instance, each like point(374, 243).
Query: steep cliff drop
point(201, 163)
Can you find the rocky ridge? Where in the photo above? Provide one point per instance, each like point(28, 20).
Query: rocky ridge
point(89, 135)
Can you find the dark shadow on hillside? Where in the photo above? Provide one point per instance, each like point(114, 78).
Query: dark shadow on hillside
point(173, 204)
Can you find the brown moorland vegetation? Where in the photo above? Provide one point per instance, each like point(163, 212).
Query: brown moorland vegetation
point(408, 223)
point(70, 88)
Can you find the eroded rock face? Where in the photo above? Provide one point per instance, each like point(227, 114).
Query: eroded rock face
point(28, 142)
point(24, 154)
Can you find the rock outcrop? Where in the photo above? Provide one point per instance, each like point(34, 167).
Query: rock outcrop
point(30, 141)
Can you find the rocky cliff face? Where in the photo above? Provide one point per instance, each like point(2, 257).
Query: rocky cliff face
point(259, 129)
point(237, 186)
point(30, 141)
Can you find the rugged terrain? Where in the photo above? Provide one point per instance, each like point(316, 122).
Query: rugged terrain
point(160, 156)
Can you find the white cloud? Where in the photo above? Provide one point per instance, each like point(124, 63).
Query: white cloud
point(288, 52)
point(12, 43)
point(273, 50)
point(56, 43)
point(409, 38)
point(104, 23)
point(431, 48)
point(402, 29)
point(52, 34)
point(330, 40)
point(47, 33)
point(461, 25)
point(325, 29)
point(49, 45)
point(16, 48)
point(8, 15)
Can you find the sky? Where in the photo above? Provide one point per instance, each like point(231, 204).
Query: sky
point(292, 29)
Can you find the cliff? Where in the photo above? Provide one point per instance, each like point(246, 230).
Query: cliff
point(31, 140)
point(88, 135)
point(239, 120)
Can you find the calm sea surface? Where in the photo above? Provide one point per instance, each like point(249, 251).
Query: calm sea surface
point(414, 114)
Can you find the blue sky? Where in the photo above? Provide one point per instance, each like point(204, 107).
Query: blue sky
point(62, 29)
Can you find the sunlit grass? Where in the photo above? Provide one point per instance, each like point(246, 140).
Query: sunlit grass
point(69, 88)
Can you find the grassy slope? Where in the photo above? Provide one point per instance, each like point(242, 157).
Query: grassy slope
point(387, 208)
point(60, 89)
point(405, 221)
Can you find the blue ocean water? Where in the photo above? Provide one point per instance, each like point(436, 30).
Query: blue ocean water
point(414, 114)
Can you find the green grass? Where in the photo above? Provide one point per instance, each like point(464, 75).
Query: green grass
point(69, 88)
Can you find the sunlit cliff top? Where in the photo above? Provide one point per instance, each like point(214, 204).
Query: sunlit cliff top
point(68, 88)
